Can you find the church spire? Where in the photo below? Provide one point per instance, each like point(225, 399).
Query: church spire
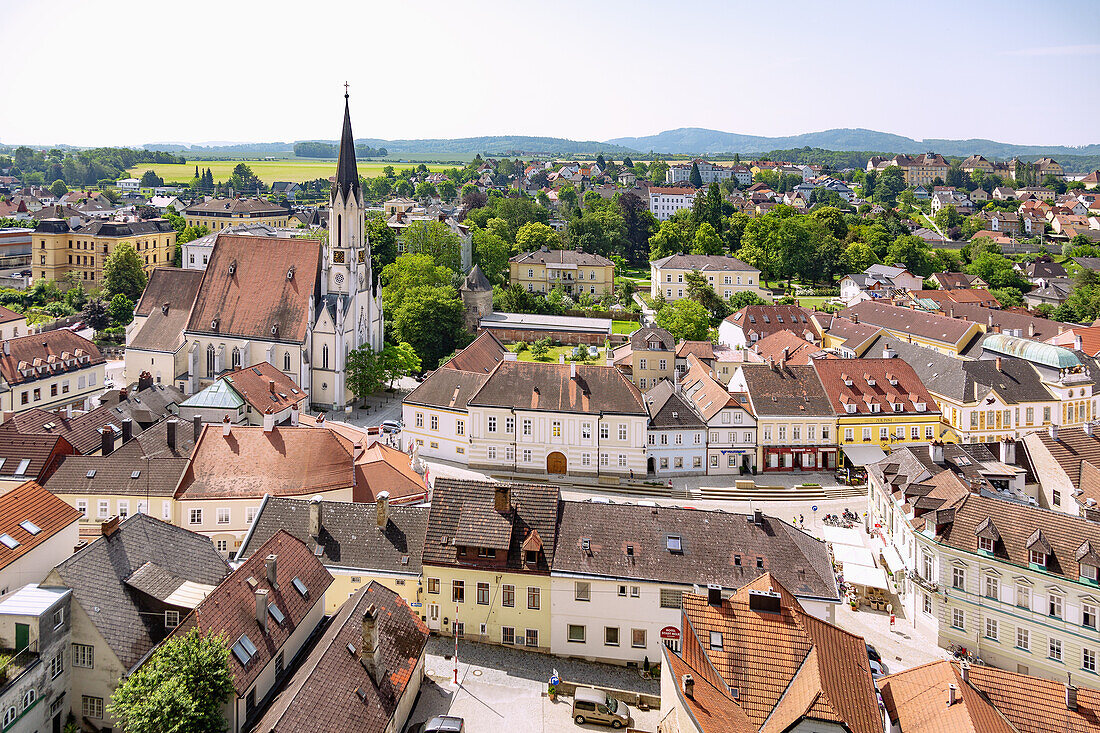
point(347, 173)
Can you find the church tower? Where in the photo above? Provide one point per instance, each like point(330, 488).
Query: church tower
point(349, 252)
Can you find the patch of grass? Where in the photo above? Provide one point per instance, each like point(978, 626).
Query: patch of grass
point(552, 355)
point(625, 327)
point(813, 301)
point(269, 171)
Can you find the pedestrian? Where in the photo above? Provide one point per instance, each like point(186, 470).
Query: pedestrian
point(801, 521)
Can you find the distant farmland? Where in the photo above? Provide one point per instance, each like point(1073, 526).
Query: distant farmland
point(268, 171)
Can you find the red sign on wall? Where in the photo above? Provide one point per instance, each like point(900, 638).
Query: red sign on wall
point(670, 632)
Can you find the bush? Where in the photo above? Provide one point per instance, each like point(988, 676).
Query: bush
point(519, 347)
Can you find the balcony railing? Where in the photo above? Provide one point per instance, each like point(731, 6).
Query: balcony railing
point(13, 663)
point(928, 585)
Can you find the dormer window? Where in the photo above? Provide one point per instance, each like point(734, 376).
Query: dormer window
point(919, 406)
point(531, 557)
point(985, 544)
point(847, 380)
point(870, 381)
point(892, 379)
point(1089, 572)
point(898, 406)
point(849, 407)
point(876, 407)
point(1037, 557)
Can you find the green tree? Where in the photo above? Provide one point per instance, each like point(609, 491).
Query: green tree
point(948, 217)
point(742, 298)
point(997, 271)
point(434, 238)
point(409, 271)
point(1008, 297)
point(121, 310)
point(123, 272)
point(833, 219)
point(383, 240)
point(365, 371)
point(671, 238)
point(398, 360)
point(695, 178)
point(707, 241)
point(150, 179)
point(535, 235)
point(601, 231)
point(182, 688)
point(657, 171)
point(540, 349)
point(491, 254)
point(96, 315)
point(447, 190)
point(431, 320)
point(890, 183)
point(58, 189)
point(913, 252)
point(685, 319)
point(702, 292)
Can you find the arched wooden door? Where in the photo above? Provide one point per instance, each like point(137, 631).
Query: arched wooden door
point(556, 463)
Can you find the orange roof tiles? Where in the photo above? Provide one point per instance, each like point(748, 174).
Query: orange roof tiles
point(30, 502)
point(46, 354)
point(481, 355)
point(786, 345)
point(265, 387)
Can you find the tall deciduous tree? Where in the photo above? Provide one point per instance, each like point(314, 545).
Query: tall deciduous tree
point(383, 241)
point(180, 689)
point(123, 272)
point(430, 319)
point(435, 239)
point(534, 235)
point(685, 319)
point(365, 372)
point(96, 314)
point(407, 272)
point(491, 254)
point(399, 360)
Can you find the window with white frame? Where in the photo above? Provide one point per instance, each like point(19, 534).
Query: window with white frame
point(991, 629)
point(223, 515)
point(1088, 659)
point(958, 618)
point(1054, 649)
point(992, 587)
point(958, 578)
point(195, 516)
point(1054, 605)
point(1023, 596)
point(104, 508)
point(1023, 638)
point(83, 655)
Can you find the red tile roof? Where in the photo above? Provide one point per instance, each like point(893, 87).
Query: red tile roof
point(381, 468)
point(265, 388)
point(786, 345)
point(230, 609)
point(30, 502)
point(481, 355)
point(46, 355)
point(7, 315)
point(250, 463)
point(908, 391)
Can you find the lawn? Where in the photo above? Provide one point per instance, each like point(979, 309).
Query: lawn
point(625, 327)
point(268, 171)
point(552, 355)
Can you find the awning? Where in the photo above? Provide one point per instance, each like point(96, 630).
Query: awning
point(841, 536)
point(892, 559)
point(865, 576)
point(861, 455)
point(855, 555)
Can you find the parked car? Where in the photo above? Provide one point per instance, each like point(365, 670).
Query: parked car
point(596, 706)
point(878, 669)
point(873, 654)
point(391, 426)
point(441, 724)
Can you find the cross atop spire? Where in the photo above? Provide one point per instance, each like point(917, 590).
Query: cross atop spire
point(347, 173)
point(345, 90)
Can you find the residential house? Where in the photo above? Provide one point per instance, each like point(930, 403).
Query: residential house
point(1041, 269)
point(1012, 582)
point(218, 213)
point(255, 395)
point(878, 281)
point(755, 322)
point(1036, 192)
point(1004, 193)
point(960, 201)
point(359, 543)
point(847, 338)
point(648, 358)
point(362, 676)
point(52, 370)
point(796, 423)
point(787, 346)
point(488, 553)
point(1006, 222)
point(759, 661)
point(37, 531)
point(1049, 167)
point(664, 201)
point(731, 438)
point(154, 339)
point(983, 698)
point(12, 324)
point(677, 434)
point(704, 351)
point(727, 275)
point(1053, 292)
point(266, 611)
point(943, 333)
point(576, 419)
point(130, 588)
point(708, 172)
point(620, 571)
point(879, 402)
point(918, 170)
point(26, 458)
point(978, 195)
point(36, 625)
point(62, 249)
point(1066, 465)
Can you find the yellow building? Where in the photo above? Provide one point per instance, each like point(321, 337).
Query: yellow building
point(391, 556)
point(487, 554)
point(58, 249)
point(919, 170)
point(574, 271)
point(880, 402)
point(648, 358)
point(51, 371)
point(727, 275)
point(216, 214)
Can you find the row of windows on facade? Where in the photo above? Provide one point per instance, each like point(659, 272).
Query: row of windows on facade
point(991, 586)
point(726, 279)
point(56, 389)
point(223, 515)
point(527, 425)
point(884, 433)
point(991, 632)
point(550, 275)
point(235, 360)
point(527, 456)
point(669, 598)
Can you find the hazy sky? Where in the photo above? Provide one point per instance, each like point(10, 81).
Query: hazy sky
point(125, 72)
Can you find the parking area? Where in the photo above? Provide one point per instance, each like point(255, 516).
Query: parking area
point(503, 689)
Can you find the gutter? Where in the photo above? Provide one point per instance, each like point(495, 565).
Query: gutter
point(252, 527)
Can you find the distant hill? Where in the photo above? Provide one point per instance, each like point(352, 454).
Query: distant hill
point(698, 140)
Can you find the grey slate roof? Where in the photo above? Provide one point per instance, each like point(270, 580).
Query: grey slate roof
point(703, 263)
point(712, 544)
point(349, 535)
point(115, 474)
point(668, 409)
point(97, 574)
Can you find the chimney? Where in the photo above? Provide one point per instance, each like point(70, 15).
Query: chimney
point(370, 650)
point(573, 370)
point(225, 426)
point(1071, 696)
point(951, 312)
point(937, 453)
point(294, 415)
point(1054, 432)
point(999, 363)
point(855, 318)
point(888, 353)
point(1087, 427)
point(1031, 329)
point(786, 352)
point(269, 421)
point(358, 449)
point(1060, 329)
point(271, 566)
point(68, 412)
point(989, 320)
point(261, 607)
point(271, 386)
point(108, 528)
point(965, 671)
point(127, 429)
point(952, 695)
point(382, 509)
point(107, 441)
point(145, 381)
point(1077, 344)
point(315, 517)
point(196, 423)
point(171, 430)
point(714, 595)
point(502, 501)
point(687, 684)
point(758, 517)
point(7, 348)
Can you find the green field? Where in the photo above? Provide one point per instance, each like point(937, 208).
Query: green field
point(268, 171)
point(625, 327)
point(555, 351)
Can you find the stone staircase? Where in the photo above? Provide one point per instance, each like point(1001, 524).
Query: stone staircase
point(761, 493)
point(846, 492)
